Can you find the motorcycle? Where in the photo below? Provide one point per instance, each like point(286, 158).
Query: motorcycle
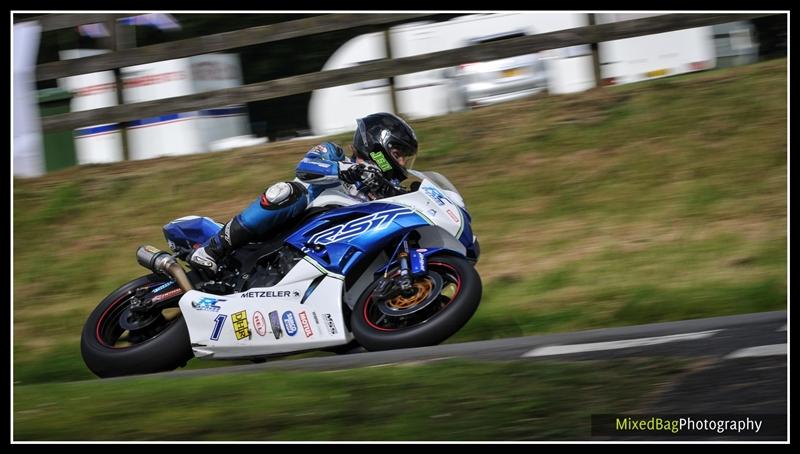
point(391, 273)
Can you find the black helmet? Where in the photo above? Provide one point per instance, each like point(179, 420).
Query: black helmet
point(382, 138)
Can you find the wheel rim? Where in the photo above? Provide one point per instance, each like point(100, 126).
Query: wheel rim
point(424, 289)
point(427, 288)
point(111, 334)
point(408, 316)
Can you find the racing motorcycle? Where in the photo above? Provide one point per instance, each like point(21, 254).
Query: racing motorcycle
point(396, 272)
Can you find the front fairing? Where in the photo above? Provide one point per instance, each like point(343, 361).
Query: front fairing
point(340, 237)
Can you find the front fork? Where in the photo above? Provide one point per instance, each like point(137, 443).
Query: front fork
point(412, 263)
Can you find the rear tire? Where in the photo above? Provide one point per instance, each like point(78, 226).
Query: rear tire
point(452, 313)
point(165, 346)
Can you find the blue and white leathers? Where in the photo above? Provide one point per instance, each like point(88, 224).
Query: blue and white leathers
point(318, 170)
point(346, 244)
point(320, 166)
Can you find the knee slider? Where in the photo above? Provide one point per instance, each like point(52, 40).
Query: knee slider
point(282, 194)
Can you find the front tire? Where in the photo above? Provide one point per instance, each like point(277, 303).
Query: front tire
point(109, 350)
point(453, 298)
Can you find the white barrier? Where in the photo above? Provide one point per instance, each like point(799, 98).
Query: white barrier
point(98, 143)
point(190, 132)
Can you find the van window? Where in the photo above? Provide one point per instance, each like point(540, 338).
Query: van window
point(495, 38)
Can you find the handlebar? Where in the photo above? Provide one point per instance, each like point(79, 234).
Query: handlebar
point(377, 183)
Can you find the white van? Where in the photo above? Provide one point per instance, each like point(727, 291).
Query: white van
point(629, 60)
point(565, 70)
point(431, 93)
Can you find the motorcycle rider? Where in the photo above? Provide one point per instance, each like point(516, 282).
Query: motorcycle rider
point(384, 147)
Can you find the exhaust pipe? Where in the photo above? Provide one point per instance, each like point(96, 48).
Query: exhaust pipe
point(162, 262)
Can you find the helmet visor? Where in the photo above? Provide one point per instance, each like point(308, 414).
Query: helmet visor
point(404, 157)
point(402, 152)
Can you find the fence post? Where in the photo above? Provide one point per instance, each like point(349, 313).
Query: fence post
point(122, 37)
point(595, 56)
point(392, 93)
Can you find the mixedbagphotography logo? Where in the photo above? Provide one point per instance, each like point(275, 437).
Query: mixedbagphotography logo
point(712, 426)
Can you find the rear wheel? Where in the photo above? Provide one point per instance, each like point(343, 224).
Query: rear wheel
point(117, 342)
point(444, 301)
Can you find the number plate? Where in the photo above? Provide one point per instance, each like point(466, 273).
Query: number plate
point(513, 72)
point(657, 73)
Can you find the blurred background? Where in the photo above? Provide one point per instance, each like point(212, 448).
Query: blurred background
point(627, 181)
point(325, 111)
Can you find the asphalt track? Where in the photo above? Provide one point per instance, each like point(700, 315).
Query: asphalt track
point(724, 338)
point(739, 362)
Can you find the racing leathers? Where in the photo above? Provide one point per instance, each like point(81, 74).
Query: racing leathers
point(324, 166)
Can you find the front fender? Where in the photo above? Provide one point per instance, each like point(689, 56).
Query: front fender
point(434, 240)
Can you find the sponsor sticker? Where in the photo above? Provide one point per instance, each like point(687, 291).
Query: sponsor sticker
point(163, 286)
point(290, 323)
point(453, 217)
point(380, 159)
point(271, 294)
point(219, 321)
point(306, 324)
point(374, 222)
point(240, 325)
point(168, 295)
point(226, 234)
point(418, 261)
point(316, 163)
point(329, 324)
point(434, 194)
point(207, 304)
point(259, 323)
point(275, 323)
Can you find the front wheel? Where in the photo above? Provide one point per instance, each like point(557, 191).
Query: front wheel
point(110, 347)
point(444, 301)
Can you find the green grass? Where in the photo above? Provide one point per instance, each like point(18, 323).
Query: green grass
point(448, 400)
point(641, 203)
point(536, 310)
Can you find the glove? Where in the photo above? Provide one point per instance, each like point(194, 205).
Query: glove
point(350, 173)
point(373, 179)
point(377, 183)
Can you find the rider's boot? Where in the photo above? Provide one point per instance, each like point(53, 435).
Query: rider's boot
point(230, 236)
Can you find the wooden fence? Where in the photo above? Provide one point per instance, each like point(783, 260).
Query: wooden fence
point(377, 69)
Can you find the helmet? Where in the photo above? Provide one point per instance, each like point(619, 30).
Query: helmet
point(388, 141)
